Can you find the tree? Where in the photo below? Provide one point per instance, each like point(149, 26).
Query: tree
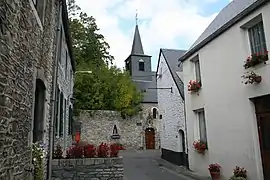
point(107, 87)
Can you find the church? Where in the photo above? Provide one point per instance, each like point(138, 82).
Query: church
point(139, 67)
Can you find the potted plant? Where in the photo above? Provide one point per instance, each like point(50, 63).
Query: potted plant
point(251, 77)
point(214, 170)
point(239, 173)
point(256, 58)
point(194, 85)
point(200, 146)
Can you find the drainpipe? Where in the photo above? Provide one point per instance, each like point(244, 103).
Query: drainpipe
point(187, 162)
point(53, 99)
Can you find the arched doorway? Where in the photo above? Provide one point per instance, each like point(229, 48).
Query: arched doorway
point(182, 140)
point(150, 138)
point(39, 111)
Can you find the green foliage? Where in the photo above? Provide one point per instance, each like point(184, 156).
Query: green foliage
point(38, 154)
point(107, 87)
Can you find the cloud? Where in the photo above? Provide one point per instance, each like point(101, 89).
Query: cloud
point(161, 23)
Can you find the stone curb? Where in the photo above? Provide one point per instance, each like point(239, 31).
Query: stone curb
point(180, 169)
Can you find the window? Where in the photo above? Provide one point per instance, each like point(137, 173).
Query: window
point(70, 119)
point(197, 70)
point(57, 112)
point(154, 113)
point(202, 126)
point(66, 64)
point(60, 45)
point(141, 65)
point(257, 38)
point(61, 114)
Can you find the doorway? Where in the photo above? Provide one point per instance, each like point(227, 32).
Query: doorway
point(39, 111)
point(150, 138)
point(262, 108)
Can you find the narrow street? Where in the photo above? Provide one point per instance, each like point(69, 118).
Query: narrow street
point(144, 165)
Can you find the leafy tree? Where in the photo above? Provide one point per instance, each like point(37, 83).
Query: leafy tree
point(107, 87)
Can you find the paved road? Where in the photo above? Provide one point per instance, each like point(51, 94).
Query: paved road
point(143, 165)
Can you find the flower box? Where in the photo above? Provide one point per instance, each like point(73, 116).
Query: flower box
point(194, 85)
point(255, 59)
point(200, 146)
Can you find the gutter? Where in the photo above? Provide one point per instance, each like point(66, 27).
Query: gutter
point(54, 101)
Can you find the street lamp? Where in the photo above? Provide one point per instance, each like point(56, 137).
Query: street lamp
point(86, 72)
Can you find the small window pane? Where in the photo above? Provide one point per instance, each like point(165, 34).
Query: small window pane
point(202, 126)
point(257, 38)
point(197, 71)
point(141, 66)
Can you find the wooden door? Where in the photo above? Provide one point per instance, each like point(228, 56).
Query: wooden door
point(264, 137)
point(150, 138)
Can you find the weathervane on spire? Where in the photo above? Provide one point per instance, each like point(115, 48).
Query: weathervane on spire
point(136, 18)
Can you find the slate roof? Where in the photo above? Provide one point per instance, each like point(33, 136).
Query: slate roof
point(137, 47)
point(228, 16)
point(171, 57)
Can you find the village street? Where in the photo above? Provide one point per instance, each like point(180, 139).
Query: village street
point(147, 165)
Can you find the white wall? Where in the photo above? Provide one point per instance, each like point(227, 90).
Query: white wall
point(171, 106)
point(230, 116)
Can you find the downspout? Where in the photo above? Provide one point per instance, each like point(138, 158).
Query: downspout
point(54, 89)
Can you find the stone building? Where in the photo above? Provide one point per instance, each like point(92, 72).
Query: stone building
point(63, 120)
point(28, 31)
point(171, 105)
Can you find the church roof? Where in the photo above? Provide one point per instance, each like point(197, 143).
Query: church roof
point(137, 47)
point(171, 57)
point(228, 16)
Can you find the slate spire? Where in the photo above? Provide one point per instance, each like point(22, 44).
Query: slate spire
point(137, 47)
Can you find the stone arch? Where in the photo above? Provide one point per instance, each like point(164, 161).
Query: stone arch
point(39, 110)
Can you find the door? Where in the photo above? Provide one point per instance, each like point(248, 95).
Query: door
point(150, 138)
point(262, 107)
point(264, 137)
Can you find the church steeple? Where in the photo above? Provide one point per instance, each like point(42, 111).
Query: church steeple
point(137, 47)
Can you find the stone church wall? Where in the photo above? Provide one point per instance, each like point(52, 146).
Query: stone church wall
point(97, 127)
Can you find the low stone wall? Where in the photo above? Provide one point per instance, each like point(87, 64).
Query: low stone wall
point(88, 168)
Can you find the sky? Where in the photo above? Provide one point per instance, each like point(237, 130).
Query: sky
point(172, 24)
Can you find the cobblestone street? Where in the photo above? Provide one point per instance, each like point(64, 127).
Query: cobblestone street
point(145, 165)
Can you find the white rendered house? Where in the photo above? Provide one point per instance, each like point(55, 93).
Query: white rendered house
point(231, 116)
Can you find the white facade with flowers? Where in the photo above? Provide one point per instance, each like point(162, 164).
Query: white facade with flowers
point(231, 116)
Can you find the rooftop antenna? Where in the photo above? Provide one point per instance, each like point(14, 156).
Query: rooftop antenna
point(136, 18)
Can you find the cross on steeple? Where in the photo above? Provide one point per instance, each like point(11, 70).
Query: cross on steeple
point(136, 17)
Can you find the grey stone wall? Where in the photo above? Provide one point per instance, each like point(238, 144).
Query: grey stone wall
point(26, 48)
point(88, 168)
point(97, 127)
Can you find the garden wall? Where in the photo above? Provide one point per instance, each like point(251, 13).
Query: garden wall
point(88, 168)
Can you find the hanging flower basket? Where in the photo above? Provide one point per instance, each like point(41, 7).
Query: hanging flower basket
point(194, 85)
point(200, 146)
point(255, 59)
point(251, 77)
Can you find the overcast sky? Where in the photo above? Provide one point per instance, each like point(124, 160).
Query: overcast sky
point(172, 24)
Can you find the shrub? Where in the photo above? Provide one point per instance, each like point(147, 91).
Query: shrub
point(103, 150)
point(75, 152)
point(58, 153)
point(38, 153)
point(89, 151)
point(114, 150)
